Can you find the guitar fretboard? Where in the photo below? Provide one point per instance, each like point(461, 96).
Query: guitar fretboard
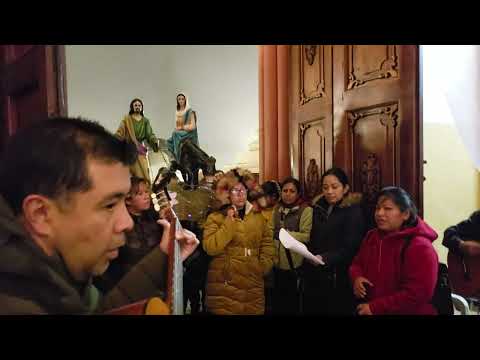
point(176, 286)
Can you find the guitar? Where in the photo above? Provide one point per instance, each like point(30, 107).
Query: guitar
point(152, 306)
point(174, 300)
point(464, 275)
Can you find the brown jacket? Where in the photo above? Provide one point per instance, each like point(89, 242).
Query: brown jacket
point(33, 283)
point(242, 253)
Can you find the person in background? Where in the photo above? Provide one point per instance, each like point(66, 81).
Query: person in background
point(239, 240)
point(271, 191)
point(338, 227)
point(143, 238)
point(395, 270)
point(295, 216)
point(464, 238)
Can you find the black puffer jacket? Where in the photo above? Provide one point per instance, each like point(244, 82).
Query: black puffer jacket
point(337, 235)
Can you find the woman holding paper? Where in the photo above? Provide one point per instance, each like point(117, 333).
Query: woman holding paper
point(295, 216)
point(337, 230)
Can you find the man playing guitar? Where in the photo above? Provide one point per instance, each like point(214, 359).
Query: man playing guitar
point(63, 219)
point(463, 243)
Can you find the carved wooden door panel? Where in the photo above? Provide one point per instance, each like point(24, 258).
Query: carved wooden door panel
point(311, 114)
point(32, 85)
point(377, 132)
point(357, 107)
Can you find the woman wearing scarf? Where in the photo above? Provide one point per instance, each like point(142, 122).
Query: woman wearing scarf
point(295, 216)
point(185, 126)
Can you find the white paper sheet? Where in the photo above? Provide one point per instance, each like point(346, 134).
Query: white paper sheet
point(296, 246)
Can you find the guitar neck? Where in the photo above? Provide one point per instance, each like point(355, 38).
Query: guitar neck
point(175, 270)
point(175, 265)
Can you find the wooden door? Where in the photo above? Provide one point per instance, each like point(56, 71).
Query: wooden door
point(376, 118)
point(311, 98)
point(357, 107)
point(33, 86)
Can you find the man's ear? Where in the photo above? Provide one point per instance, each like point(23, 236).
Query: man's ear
point(38, 214)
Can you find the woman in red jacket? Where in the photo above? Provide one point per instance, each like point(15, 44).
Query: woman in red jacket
point(384, 279)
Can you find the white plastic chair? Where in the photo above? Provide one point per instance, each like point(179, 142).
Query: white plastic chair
point(460, 304)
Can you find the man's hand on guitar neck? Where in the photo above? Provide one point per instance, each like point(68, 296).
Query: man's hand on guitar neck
point(470, 247)
point(188, 240)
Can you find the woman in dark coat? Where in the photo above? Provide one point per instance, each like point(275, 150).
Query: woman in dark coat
point(337, 230)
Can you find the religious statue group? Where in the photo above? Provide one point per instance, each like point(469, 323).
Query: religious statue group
point(136, 128)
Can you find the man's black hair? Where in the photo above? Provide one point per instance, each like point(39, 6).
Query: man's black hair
point(50, 158)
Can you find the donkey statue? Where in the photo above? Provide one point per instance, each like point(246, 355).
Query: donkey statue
point(192, 159)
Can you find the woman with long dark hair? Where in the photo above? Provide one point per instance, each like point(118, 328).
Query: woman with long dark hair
point(337, 230)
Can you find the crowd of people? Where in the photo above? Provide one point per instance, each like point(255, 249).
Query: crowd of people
point(80, 233)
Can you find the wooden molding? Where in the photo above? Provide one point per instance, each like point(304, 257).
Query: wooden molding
point(386, 69)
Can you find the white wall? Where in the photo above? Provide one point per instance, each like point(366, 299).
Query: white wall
point(451, 189)
point(221, 83)
point(103, 79)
